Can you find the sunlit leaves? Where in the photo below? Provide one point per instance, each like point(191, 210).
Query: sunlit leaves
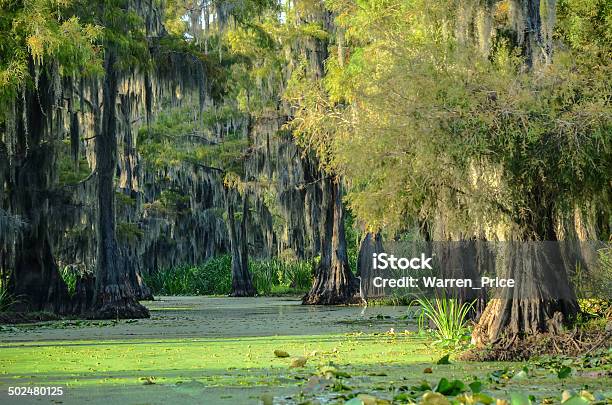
point(586, 25)
point(436, 130)
point(14, 72)
point(41, 30)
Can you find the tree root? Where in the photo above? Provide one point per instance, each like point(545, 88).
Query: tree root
point(126, 309)
point(516, 348)
point(242, 293)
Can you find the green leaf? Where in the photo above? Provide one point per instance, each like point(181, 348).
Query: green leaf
point(564, 372)
point(424, 386)
point(451, 388)
point(576, 400)
point(339, 387)
point(519, 399)
point(497, 375)
point(483, 399)
point(475, 386)
point(521, 375)
point(404, 397)
point(281, 353)
point(444, 359)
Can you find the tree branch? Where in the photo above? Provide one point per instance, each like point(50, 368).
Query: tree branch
point(209, 168)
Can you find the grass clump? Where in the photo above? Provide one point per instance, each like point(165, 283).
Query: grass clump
point(70, 276)
point(214, 277)
point(448, 316)
point(6, 299)
point(276, 276)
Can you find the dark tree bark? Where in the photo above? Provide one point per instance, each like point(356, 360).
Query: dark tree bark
point(465, 259)
point(142, 291)
point(371, 243)
point(35, 281)
point(532, 34)
point(543, 299)
point(114, 295)
point(334, 282)
point(531, 37)
point(242, 282)
point(84, 294)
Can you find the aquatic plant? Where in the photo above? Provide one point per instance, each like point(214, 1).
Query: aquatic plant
point(449, 316)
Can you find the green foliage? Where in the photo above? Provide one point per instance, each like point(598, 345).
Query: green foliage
point(181, 136)
point(45, 32)
point(213, 277)
point(174, 201)
point(316, 122)
point(314, 30)
point(286, 275)
point(6, 298)
point(594, 286)
point(264, 276)
point(443, 360)
point(129, 233)
point(457, 391)
point(353, 239)
point(450, 388)
point(605, 259)
point(562, 366)
point(265, 50)
point(71, 172)
point(70, 275)
point(125, 200)
point(595, 308)
point(448, 315)
point(586, 25)
point(422, 122)
point(123, 32)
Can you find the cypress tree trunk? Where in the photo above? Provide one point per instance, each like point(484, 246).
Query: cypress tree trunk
point(334, 282)
point(35, 281)
point(242, 283)
point(542, 302)
point(465, 259)
point(371, 243)
point(532, 34)
point(114, 295)
point(543, 298)
point(536, 43)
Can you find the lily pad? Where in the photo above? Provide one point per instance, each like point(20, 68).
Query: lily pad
point(444, 359)
point(298, 362)
point(281, 353)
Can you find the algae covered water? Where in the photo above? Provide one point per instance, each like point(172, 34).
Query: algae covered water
point(222, 350)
